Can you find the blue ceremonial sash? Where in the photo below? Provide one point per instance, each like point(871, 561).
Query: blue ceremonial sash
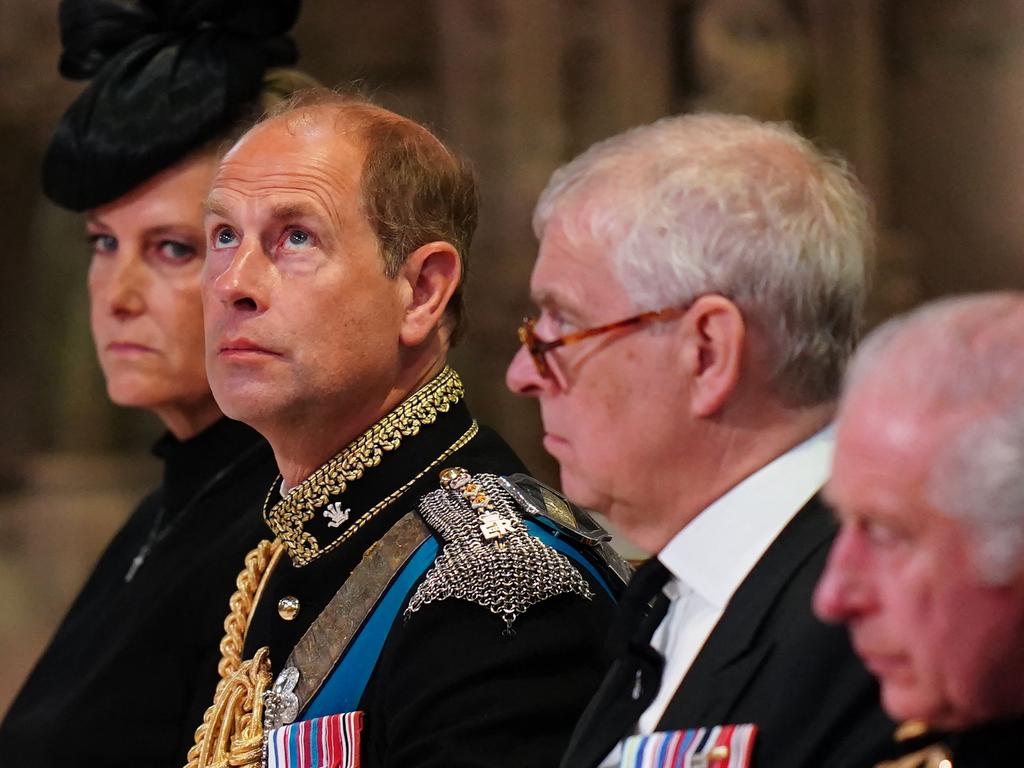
point(344, 687)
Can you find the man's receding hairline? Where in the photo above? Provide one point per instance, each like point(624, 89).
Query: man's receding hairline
point(366, 114)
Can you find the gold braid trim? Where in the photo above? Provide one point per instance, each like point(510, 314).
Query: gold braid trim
point(288, 517)
point(929, 757)
point(258, 563)
point(388, 500)
point(239, 691)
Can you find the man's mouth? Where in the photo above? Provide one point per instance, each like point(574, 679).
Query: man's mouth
point(242, 347)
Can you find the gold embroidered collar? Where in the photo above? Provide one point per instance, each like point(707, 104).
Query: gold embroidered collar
point(327, 508)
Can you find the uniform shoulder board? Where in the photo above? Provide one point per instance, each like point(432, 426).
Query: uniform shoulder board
point(489, 556)
point(569, 521)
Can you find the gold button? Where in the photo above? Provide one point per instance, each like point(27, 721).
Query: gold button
point(288, 607)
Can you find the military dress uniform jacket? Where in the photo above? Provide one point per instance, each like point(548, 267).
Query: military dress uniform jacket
point(988, 746)
point(134, 662)
point(998, 744)
point(454, 684)
point(771, 663)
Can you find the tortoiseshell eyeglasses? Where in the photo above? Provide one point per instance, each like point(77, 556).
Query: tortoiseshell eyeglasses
point(538, 348)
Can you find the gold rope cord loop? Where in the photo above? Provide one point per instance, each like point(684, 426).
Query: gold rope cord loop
point(216, 726)
point(241, 603)
point(231, 735)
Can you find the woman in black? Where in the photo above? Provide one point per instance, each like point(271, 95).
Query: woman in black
point(133, 666)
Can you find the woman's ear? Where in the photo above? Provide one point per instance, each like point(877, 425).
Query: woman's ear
point(430, 276)
point(713, 354)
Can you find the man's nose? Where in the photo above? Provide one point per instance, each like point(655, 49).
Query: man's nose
point(844, 589)
point(242, 282)
point(522, 376)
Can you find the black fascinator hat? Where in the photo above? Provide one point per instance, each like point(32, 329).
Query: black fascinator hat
point(167, 76)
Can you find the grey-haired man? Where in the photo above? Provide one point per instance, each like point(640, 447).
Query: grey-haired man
point(928, 567)
point(701, 282)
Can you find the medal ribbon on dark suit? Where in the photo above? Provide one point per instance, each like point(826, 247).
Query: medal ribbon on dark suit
point(634, 678)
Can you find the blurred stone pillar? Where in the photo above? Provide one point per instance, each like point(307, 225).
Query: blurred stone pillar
point(850, 115)
point(22, 115)
point(849, 78)
point(500, 90)
point(525, 85)
point(17, 314)
point(616, 68)
point(957, 120)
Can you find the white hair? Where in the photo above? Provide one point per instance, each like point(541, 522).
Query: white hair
point(726, 204)
point(958, 366)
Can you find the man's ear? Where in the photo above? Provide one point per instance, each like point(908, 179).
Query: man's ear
point(429, 278)
point(713, 354)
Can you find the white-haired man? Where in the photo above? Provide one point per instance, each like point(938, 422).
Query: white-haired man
point(701, 282)
point(928, 567)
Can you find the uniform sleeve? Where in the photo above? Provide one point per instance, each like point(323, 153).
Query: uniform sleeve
point(456, 688)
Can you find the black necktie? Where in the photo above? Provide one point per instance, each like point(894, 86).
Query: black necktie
point(633, 680)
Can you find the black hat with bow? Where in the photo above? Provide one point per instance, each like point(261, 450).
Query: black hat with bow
point(167, 76)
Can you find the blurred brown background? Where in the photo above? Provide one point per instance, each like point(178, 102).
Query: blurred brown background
point(925, 97)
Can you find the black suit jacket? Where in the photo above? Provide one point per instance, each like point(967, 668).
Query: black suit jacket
point(769, 661)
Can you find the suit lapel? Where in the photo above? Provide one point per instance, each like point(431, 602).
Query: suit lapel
point(731, 656)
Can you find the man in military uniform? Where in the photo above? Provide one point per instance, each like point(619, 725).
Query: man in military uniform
point(928, 568)
point(417, 607)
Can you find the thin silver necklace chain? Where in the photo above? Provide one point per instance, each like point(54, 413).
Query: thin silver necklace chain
point(158, 534)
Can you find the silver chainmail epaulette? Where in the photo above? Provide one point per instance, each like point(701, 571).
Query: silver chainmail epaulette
point(489, 558)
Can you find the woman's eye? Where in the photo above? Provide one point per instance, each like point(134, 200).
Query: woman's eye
point(174, 250)
point(102, 243)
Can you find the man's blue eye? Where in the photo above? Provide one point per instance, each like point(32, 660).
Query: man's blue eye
point(225, 236)
point(298, 237)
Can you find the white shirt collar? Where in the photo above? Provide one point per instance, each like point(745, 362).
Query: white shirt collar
point(718, 548)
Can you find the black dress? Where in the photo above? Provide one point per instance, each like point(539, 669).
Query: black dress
point(132, 667)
